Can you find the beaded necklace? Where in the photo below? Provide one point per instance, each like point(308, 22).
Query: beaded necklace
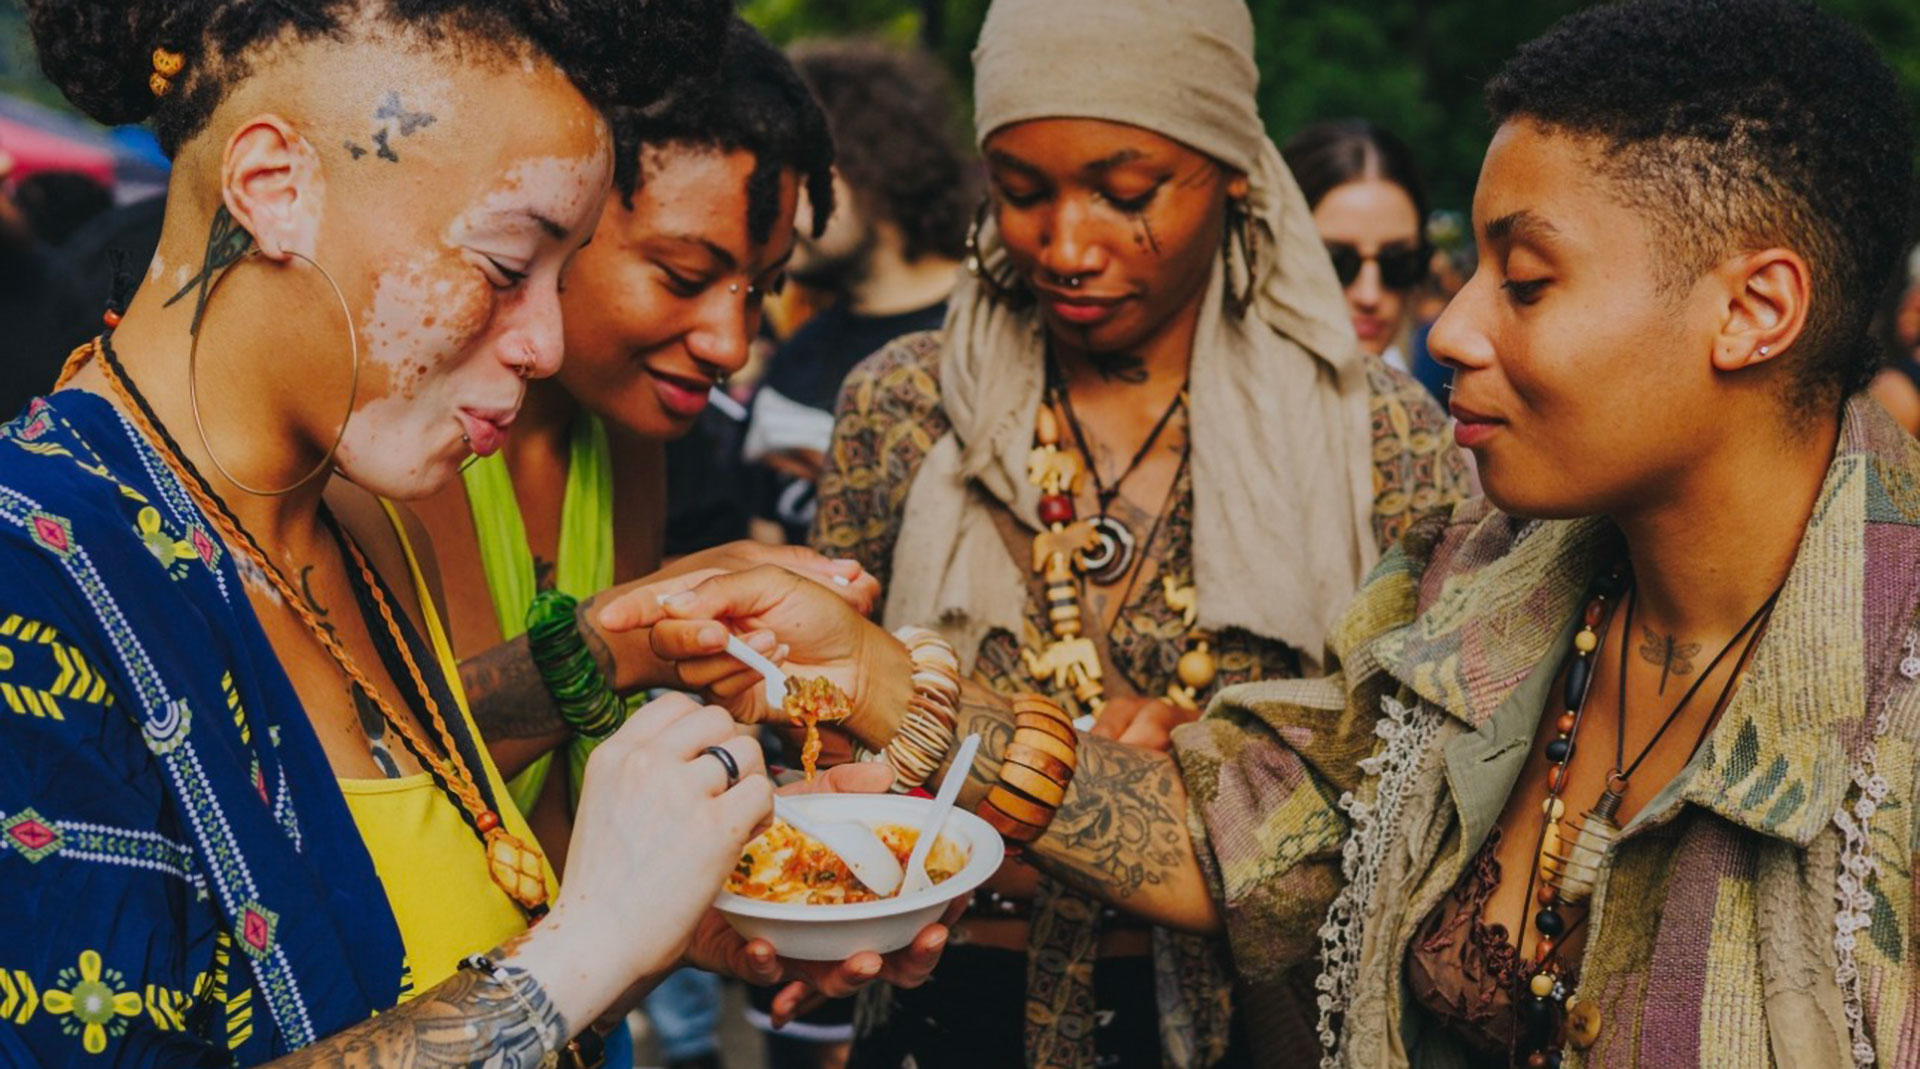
point(515, 866)
point(1065, 552)
point(1568, 862)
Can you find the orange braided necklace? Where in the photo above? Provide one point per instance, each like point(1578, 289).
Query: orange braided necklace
point(515, 866)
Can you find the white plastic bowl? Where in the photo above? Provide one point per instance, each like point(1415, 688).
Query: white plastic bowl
point(837, 932)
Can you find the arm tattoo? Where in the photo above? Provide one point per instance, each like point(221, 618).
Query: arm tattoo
point(471, 1019)
point(1122, 827)
point(227, 241)
point(508, 698)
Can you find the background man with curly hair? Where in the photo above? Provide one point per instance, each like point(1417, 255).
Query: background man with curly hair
point(904, 190)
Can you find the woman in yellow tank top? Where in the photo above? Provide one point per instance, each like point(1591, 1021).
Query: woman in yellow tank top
point(204, 634)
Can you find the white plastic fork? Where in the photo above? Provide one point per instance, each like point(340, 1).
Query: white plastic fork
point(775, 679)
point(936, 819)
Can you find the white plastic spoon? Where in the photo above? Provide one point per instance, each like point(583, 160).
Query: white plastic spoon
point(776, 680)
point(871, 861)
point(936, 819)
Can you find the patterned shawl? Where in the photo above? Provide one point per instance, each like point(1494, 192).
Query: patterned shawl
point(185, 882)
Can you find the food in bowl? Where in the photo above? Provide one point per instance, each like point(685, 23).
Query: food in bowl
point(783, 865)
point(835, 932)
point(810, 702)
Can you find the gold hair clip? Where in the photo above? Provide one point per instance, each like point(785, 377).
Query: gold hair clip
point(166, 66)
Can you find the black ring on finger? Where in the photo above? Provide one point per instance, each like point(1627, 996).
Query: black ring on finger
point(726, 760)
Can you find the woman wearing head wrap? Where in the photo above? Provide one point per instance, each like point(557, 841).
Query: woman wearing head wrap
point(1147, 284)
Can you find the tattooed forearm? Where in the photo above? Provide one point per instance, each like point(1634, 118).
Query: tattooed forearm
point(471, 1019)
point(504, 689)
point(1121, 833)
point(1122, 829)
point(508, 698)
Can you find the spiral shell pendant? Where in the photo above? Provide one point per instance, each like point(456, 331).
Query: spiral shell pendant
point(1106, 562)
point(1574, 864)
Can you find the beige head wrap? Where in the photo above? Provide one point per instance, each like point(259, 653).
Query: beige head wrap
point(1279, 417)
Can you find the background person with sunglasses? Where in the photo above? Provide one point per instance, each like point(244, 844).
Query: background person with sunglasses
point(1368, 203)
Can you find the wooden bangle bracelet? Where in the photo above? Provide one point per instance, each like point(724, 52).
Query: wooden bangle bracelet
point(1033, 752)
point(1020, 808)
point(1037, 705)
point(1045, 724)
point(1010, 828)
point(1033, 785)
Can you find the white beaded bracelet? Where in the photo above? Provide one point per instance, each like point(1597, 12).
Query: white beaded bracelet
point(927, 732)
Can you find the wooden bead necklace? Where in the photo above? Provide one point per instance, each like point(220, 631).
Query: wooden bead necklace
point(1068, 549)
point(1568, 862)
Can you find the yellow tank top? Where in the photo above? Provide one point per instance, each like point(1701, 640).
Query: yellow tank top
point(433, 868)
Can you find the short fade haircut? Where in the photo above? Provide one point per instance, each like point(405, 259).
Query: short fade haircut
point(752, 101)
point(894, 132)
point(1738, 125)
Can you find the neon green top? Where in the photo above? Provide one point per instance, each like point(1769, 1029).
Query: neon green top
point(584, 567)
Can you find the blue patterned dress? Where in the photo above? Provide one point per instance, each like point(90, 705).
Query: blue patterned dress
point(182, 882)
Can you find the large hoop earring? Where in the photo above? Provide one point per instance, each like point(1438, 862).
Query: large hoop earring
point(1240, 224)
point(353, 391)
point(1010, 292)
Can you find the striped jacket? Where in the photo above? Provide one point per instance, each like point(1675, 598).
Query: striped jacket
point(1759, 911)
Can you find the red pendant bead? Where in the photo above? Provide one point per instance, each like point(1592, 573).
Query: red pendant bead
point(1565, 724)
point(1596, 611)
point(1546, 895)
point(1543, 950)
point(487, 820)
point(111, 318)
point(1056, 508)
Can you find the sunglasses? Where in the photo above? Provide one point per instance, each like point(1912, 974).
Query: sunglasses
point(1400, 269)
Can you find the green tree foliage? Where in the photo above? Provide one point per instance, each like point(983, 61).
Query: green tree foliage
point(1414, 66)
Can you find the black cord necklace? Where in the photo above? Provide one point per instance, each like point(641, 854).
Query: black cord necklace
point(383, 642)
point(1623, 771)
point(1114, 546)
